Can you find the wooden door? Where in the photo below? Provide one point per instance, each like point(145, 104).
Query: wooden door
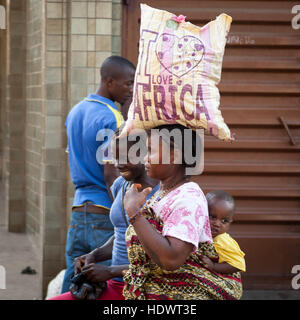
point(260, 101)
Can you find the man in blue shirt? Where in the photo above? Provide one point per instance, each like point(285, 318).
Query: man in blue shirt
point(86, 124)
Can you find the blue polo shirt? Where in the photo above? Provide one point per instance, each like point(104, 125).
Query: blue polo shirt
point(86, 125)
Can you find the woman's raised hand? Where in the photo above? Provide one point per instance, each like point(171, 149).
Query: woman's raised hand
point(134, 198)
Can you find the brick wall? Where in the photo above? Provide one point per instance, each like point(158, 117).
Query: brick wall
point(53, 164)
point(14, 114)
point(53, 52)
point(34, 110)
point(3, 213)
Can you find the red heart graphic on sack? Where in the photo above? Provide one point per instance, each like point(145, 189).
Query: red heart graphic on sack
point(179, 55)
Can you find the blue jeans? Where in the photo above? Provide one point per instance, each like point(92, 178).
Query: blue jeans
point(87, 231)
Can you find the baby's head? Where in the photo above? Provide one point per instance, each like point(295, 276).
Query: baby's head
point(221, 210)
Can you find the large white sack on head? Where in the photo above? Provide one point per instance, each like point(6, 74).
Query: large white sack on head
point(179, 66)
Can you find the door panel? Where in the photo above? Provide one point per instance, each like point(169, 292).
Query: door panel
point(260, 86)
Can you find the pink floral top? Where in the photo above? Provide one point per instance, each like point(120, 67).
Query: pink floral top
point(184, 213)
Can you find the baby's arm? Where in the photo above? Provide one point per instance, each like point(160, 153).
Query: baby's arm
point(223, 267)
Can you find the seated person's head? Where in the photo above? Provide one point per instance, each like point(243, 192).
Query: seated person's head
point(129, 170)
point(221, 209)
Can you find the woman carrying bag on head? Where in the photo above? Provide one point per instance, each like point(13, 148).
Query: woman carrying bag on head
point(168, 236)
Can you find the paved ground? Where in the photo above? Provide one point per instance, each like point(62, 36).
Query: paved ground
point(17, 252)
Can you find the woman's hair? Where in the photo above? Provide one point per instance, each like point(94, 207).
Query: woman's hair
point(130, 141)
point(187, 144)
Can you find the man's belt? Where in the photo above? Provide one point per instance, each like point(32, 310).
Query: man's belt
point(91, 209)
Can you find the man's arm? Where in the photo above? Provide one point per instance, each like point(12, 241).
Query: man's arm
point(111, 173)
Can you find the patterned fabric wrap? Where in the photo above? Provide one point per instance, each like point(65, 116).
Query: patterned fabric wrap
point(145, 280)
point(179, 68)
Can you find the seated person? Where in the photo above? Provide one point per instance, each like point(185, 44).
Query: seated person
point(115, 247)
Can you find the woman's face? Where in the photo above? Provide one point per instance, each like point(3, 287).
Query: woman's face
point(128, 170)
point(154, 166)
